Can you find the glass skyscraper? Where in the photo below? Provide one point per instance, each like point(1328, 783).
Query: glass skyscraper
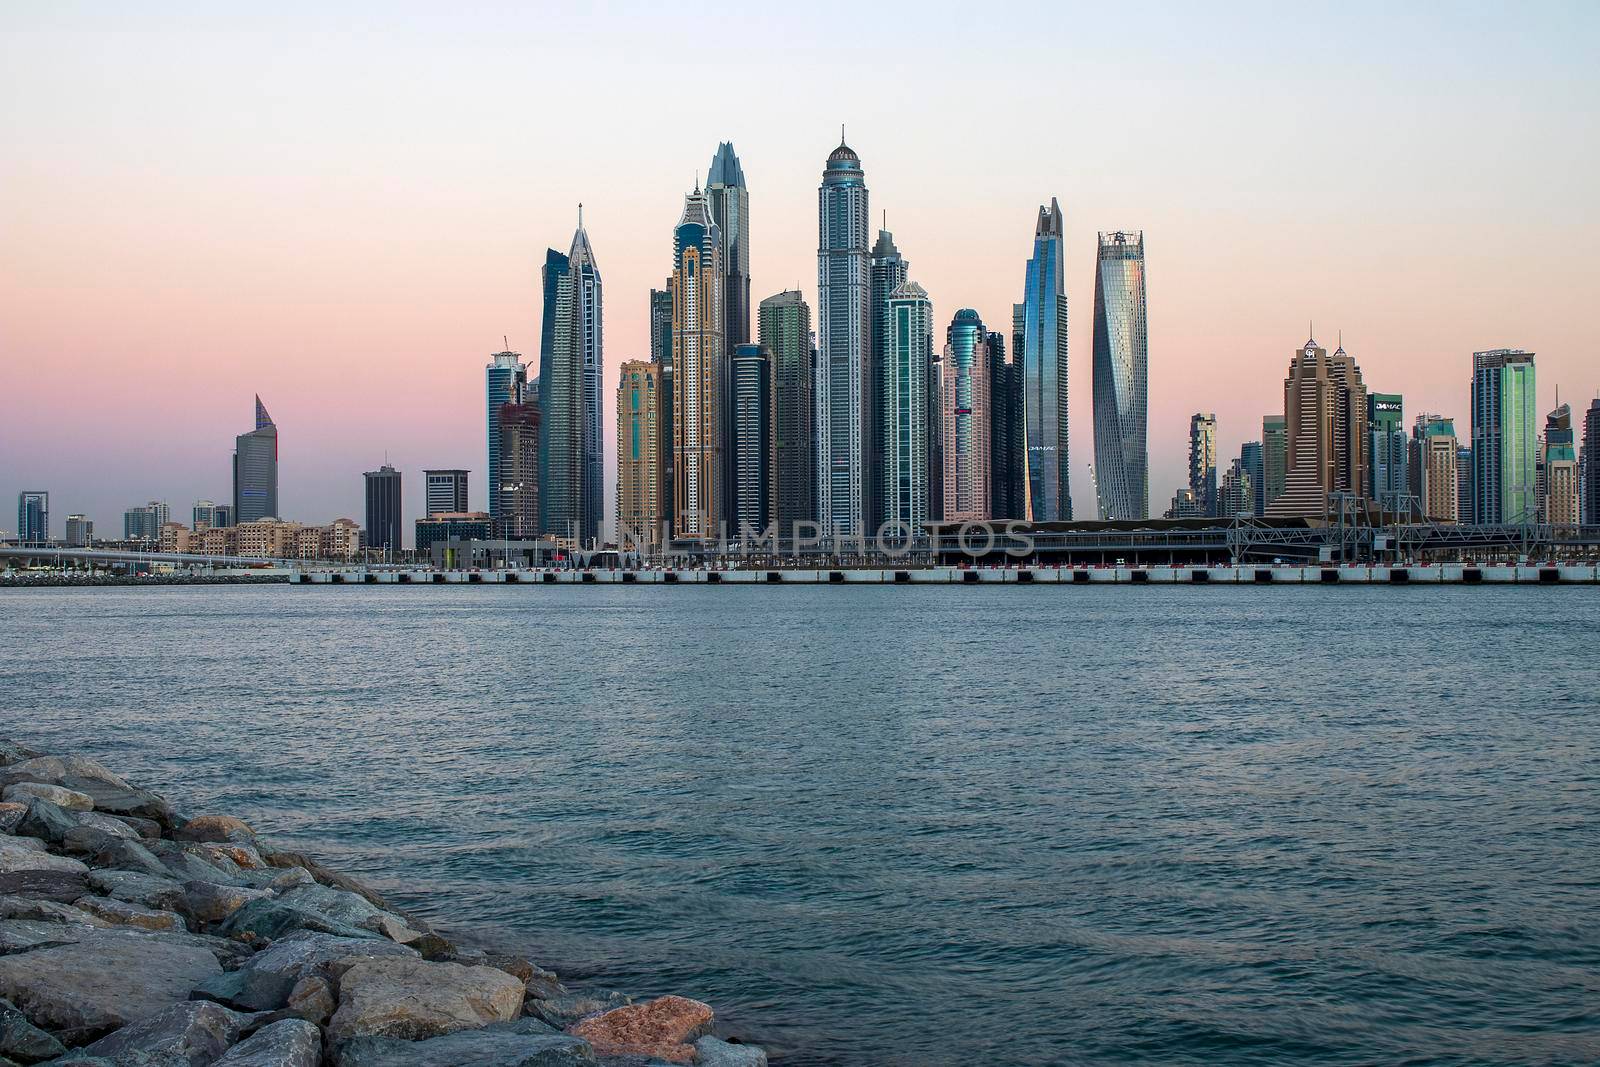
point(784, 328)
point(1388, 485)
point(699, 374)
point(587, 291)
point(661, 325)
point(1044, 363)
point(1203, 461)
point(1504, 437)
point(571, 357)
point(1121, 374)
point(383, 508)
point(889, 271)
point(730, 210)
point(33, 517)
point(505, 382)
point(753, 435)
point(1007, 495)
point(255, 470)
point(845, 377)
point(1274, 458)
point(907, 365)
point(965, 395)
point(1253, 463)
point(1590, 504)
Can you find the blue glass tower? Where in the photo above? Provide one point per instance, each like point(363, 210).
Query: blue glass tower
point(845, 378)
point(1044, 370)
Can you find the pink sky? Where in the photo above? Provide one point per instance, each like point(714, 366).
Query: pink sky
point(344, 210)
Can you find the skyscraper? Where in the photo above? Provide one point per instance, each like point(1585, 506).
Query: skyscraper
point(144, 521)
point(699, 374)
point(445, 492)
point(1007, 491)
point(519, 470)
point(1044, 372)
point(1235, 496)
point(1504, 437)
point(255, 470)
point(785, 332)
point(845, 375)
point(1591, 463)
point(505, 381)
point(1203, 461)
point(966, 419)
point(571, 299)
point(1433, 475)
point(907, 363)
point(33, 517)
point(1325, 418)
point(80, 531)
point(1254, 464)
point(1121, 375)
point(661, 325)
point(643, 464)
point(888, 271)
point(1466, 498)
point(587, 292)
point(730, 210)
point(1387, 483)
point(383, 509)
point(1561, 506)
point(753, 437)
point(1274, 458)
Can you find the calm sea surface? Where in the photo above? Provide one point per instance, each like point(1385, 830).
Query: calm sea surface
point(911, 825)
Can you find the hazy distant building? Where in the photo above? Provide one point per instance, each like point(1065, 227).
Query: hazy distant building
point(255, 470)
point(1044, 372)
point(1504, 437)
point(1186, 504)
point(753, 438)
point(209, 515)
point(505, 382)
point(907, 364)
point(1254, 463)
point(33, 516)
point(1121, 370)
point(1561, 502)
point(1325, 419)
point(699, 374)
point(1203, 460)
point(1434, 477)
point(643, 464)
point(846, 377)
point(661, 325)
point(784, 329)
point(1591, 463)
point(382, 490)
point(1274, 458)
point(966, 419)
point(144, 522)
point(80, 531)
point(1466, 498)
point(1235, 495)
point(445, 492)
point(1387, 480)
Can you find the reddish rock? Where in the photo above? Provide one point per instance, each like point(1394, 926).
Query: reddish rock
point(215, 828)
point(662, 1028)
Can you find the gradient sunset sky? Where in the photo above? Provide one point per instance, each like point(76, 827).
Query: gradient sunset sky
point(343, 207)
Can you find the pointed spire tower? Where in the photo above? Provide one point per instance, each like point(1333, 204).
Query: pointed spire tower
point(255, 470)
point(587, 297)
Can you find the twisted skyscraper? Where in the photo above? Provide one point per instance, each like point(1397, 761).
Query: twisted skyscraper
point(1044, 363)
point(1121, 375)
point(845, 380)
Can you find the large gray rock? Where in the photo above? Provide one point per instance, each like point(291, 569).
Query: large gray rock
point(146, 828)
point(273, 918)
point(19, 854)
point(192, 1034)
point(186, 865)
point(523, 1043)
point(122, 854)
point(342, 906)
point(121, 913)
point(110, 824)
point(714, 1052)
point(267, 979)
point(62, 886)
point(46, 911)
point(209, 903)
point(312, 998)
point(563, 1010)
point(102, 978)
point(60, 796)
point(46, 821)
point(23, 1042)
point(11, 752)
point(110, 793)
point(287, 1043)
point(160, 893)
point(215, 828)
point(414, 999)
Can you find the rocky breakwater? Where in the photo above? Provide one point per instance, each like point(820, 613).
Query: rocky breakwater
point(132, 936)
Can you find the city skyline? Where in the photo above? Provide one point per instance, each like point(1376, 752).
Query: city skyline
point(1237, 270)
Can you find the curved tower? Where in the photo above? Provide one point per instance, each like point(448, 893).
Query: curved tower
point(1044, 373)
point(845, 380)
point(1121, 377)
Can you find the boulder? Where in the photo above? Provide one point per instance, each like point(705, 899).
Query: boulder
point(10, 815)
point(146, 890)
point(215, 828)
point(662, 1028)
point(193, 1034)
point(312, 999)
point(287, 1043)
point(209, 903)
point(19, 854)
point(146, 828)
point(187, 865)
point(11, 752)
point(110, 793)
point(564, 1009)
point(102, 978)
point(25, 935)
point(414, 999)
point(123, 854)
point(46, 821)
point(543, 984)
point(268, 979)
point(714, 1052)
point(277, 858)
point(22, 1041)
point(108, 824)
point(57, 885)
point(273, 918)
point(60, 796)
point(523, 1043)
point(47, 911)
point(121, 913)
point(230, 856)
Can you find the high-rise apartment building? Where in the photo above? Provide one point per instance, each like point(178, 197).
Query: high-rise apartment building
point(255, 470)
point(144, 521)
point(1466, 496)
point(33, 517)
point(1434, 480)
point(965, 394)
point(1325, 419)
point(785, 332)
point(207, 515)
point(644, 466)
point(505, 382)
point(699, 374)
point(753, 437)
point(730, 210)
point(1591, 464)
point(1387, 484)
point(570, 360)
point(1236, 496)
point(445, 492)
point(661, 325)
point(383, 509)
point(1121, 374)
point(587, 291)
point(845, 375)
point(1254, 464)
point(1504, 437)
point(1274, 458)
point(1044, 372)
point(1561, 499)
point(1007, 486)
point(907, 354)
point(1203, 460)
point(80, 531)
point(519, 470)
point(889, 270)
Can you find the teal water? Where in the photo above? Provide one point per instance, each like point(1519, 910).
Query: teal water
point(909, 825)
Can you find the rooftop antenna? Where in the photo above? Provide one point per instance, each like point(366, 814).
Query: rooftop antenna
point(697, 183)
point(580, 214)
point(841, 135)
